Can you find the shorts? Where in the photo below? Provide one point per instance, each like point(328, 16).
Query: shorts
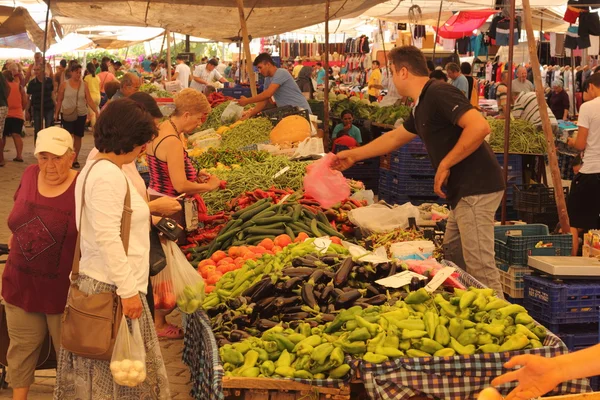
point(13, 126)
point(77, 127)
point(583, 206)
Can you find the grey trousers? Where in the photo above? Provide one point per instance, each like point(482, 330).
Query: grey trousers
point(469, 238)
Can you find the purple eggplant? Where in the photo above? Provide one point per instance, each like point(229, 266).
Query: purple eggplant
point(292, 283)
point(343, 273)
point(347, 298)
point(302, 272)
point(265, 288)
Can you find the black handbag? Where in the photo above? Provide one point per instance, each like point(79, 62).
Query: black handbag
point(158, 259)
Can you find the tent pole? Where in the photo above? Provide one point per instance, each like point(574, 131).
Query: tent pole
point(437, 31)
point(43, 120)
point(574, 105)
point(551, 149)
point(168, 37)
point(249, 68)
point(541, 33)
point(240, 62)
point(511, 48)
point(162, 46)
point(187, 43)
point(326, 83)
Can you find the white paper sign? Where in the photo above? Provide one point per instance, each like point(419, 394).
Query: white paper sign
point(322, 244)
point(283, 171)
point(377, 256)
point(439, 278)
point(399, 280)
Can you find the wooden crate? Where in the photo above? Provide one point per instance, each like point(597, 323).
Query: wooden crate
point(239, 388)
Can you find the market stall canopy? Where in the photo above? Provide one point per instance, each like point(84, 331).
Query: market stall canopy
point(213, 19)
point(464, 23)
point(116, 37)
point(21, 31)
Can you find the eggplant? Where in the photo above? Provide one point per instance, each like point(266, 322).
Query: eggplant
point(337, 293)
point(261, 304)
point(393, 268)
point(306, 261)
point(316, 276)
point(264, 324)
point(372, 290)
point(265, 288)
point(329, 274)
point(347, 298)
point(376, 300)
point(313, 324)
point(326, 293)
point(362, 304)
point(347, 289)
point(320, 287)
point(300, 316)
point(222, 341)
point(291, 309)
point(323, 309)
point(236, 335)
point(327, 317)
point(213, 312)
point(241, 321)
point(281, 302)
point(236, 302)
point(343, 273)
point(280, 286)
point(331, 308)
point(302, 272)
point(308, 294)
point(330, 260)
point(291, 283)
point(228, 315)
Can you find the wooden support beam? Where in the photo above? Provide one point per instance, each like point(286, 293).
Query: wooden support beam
point(326, 83)
point(561, 205)
point(168, 36)
point(246, 41)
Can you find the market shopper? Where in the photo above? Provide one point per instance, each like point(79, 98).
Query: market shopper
point(13, 126)
point(526, 107)
point(459, 81)
point(438, 75)
point(466, 167)
point(279, 84)
point(320, 74)
point(521, 83)
point(35, 281)
point(559, 101)
point(583, 205)
point(105, 77)
point(34, 90)
point(4, 92)
point(502, 94)
point(374, 84)
point(182, 72)
point(305, 82)
point(93, 85)
point(206, 74)
point(74, 99)
point(130, 83)
point(346, 127)
point(473, 94)
point(123, 128)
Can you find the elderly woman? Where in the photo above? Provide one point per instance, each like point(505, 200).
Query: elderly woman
point(559, 101)
point(121, 132)
point(73, 101)
point(36, 278)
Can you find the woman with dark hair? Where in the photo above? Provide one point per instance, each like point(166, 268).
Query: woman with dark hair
point(13, 127)
point(73, 101)
point(105, 77)
point(439, 75)
point(122, 130)
point(473, 94)
point(93, 85)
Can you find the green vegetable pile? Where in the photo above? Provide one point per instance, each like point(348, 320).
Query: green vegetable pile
point(524, 137)
point(228, 157)
point(389, 115)
point(256, 174)
point(154, 90)
point(214, 118)
point(363, 109)
point(251, 131)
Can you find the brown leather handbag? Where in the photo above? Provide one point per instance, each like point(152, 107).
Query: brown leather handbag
point(91, 321)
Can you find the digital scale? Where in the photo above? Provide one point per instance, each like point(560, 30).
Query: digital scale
point(563, 267)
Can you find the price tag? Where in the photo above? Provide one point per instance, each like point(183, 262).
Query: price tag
point(399, 280)
point(439, 278)
point(283, 171)
point(377, 256)
point(322, 244)
point(284, 198)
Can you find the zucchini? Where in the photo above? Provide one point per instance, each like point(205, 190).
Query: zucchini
point(249, 208)
point(297, 212)
point(322, 218)
point(269, 212)
point(272, 220)
point(290, 233)
point(314, 229)
point(301, 226)
point(232, 232)
point(254, 211)
point(262, 231)
point(328, 229)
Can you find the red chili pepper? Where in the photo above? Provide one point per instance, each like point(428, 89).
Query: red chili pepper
point(188, 256)
point(355, 202)
point(187, 246)
point(223, 185)
point(334, 225)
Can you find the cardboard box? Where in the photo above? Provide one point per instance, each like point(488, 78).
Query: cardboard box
point(429, 39)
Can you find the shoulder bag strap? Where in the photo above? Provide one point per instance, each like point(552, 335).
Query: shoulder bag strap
point(125, 225)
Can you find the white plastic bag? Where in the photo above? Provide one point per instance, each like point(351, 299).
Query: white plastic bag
point(232, 113)
point(162, 290)
point(367, 195)
point(128, 361)
point(188, 284)
point(379, 218)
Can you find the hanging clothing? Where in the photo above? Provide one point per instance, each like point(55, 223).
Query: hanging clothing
point(463, 45)
point(594, 45)
point(488, 72)
point(560, 45)
point(552, 44)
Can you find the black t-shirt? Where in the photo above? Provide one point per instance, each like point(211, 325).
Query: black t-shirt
point(435, 120)
point(34, 89)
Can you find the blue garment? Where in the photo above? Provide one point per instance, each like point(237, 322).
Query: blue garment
point(354, 132)
point(321, 77)
point(288, 93)
point(146, 65)
point(478, 46)
point(461, 84)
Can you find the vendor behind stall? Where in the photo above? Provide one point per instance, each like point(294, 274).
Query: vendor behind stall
point(583, 205)
point(346, 127)
point(559, 101)
point(278, 84)
point(454, 135)
point(526, 108)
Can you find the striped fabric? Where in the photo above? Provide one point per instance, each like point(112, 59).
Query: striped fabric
point(526, 107)
point(159, 173)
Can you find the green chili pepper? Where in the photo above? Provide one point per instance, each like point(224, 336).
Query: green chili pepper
point(428, 345)
point(342, 317)
point(496, 304)
point(302, 362)
point(296, 338)
point(431, 320)
point(511, 310)
point(321, 353)
point(460, 349)
point(231, 356)
point(455, 301)
point(469, 336)
point(374, 358)
point(351, 325)
point(465, 314)
point(468, 324)
point(444, 321)
point(250, 372)
point(287, 372)
point(410, 324)
point(274, 356)
point(319, 376)
point(407, 334)
point(489, 348)
point(456, 327)
point(442, 336)
point(523, 319)
point(283, 343)
point(523, 329)
point(284, 360)
point(510, 330)
point(494, 330)
point(312, 341)
point(359, 334)
point(376, 341)
point(392, 341)
point(536, 344)
point(337, 356)
point(339, 372)
point(373, 328)
point(301, 374)
point(540, 332)
point(515, 342)
point(262, 354)
point(242, 347)
point(480, 302)
point(304, 329)
point(485, 338)
point(459, 292)
point(418, 308)
point(405, 345)
point(400, 314)
point(354, 347)
point(414, 353)
point(270, 346)
point(444, 353)
point(480, 316)
point(389, 352)
point(418, 297)
point(449, 309)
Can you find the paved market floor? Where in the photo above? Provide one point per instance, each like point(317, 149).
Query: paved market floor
point(10, 176)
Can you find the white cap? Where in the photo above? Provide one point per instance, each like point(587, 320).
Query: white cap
point(55, 140)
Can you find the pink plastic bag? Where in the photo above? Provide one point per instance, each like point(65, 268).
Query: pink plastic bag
point(325, 185)
point(432, 266)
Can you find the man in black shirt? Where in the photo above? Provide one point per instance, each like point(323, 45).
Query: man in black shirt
point(34, 90)
point(453, 132)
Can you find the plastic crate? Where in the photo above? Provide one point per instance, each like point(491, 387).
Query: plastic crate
point(410, 162)
point(512, 244)
point(513, 300)
point(237, 92)
point(275, 115)
point(548, 219)
point(555, 303)
point(511, 279)
point(537, 199)
point(385, 161)
point(580, 340)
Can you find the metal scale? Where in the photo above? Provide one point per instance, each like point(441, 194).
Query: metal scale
point(562, 267)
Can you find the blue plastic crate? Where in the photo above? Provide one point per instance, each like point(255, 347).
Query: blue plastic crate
point(237, 92)
point(406, 161)
point(415, 146)
point(580, 340)
point(512, 244)
point(571, 302)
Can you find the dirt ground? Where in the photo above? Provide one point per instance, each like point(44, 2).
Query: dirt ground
point(10, 176)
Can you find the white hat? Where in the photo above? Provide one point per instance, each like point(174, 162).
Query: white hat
point(53, 140)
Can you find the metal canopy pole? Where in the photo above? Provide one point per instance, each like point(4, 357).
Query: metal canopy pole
point(539, 91)
point(168, 36)
point(249, 68)
point(162, 46)
point(437, 31)
point(326, 83)
point(43, 120)
point(511, 48)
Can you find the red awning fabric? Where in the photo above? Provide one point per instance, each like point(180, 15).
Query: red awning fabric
point(464, 23)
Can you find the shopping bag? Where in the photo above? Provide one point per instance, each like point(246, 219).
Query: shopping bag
point(188, 284)
point(379, 218)
point(324, 184)
point(232, 113)
point(162, 290)
point(128, 362)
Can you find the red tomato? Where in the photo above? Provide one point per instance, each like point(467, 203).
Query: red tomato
point(260, 250)
point(218, 256)
point(267, 244)
point(213, 278)
point(169, 301)
point(282, 240)
point(239, 261)
point(234, 251)
point(206, 270)
point(249, 256)
point(158, 301)
point(208, 261)
point(209, 288)
point(302, 236)
point(226, 260)
point(276, 249)
point(223, 268)
point(336, 240)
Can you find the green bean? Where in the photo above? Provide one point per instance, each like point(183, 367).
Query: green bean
point(251, 131)
point(524, 137)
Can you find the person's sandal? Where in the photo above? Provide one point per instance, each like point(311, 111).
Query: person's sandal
point(17, 159)
point(170, 332)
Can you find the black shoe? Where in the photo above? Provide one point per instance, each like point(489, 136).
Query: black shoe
point(76, 165)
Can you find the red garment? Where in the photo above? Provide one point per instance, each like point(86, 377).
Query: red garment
point(464, 23)
point(499, 72)
point(346, 140)
point(36, 276)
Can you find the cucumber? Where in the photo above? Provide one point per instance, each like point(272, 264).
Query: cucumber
point(254, 211)
point(297, 212)
point(257, 239)
point(228, 235)
point(262, 231)
point(328, 229)
point(314, 229)
point(242, 211)
point(290, 233)
point(322, 218)
point(265, 214)
point(300, 226)
point(272, 220)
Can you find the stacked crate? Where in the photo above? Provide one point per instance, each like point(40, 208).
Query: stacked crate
point(515, 177)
